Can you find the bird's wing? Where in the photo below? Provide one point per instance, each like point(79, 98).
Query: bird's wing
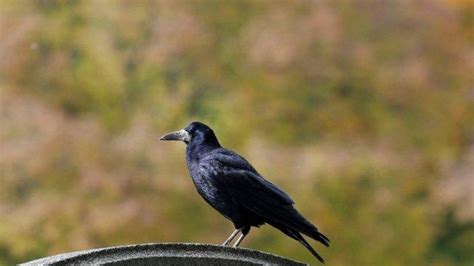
point(254, 194)
point(261, 197)
point(230, 164)
point(252, 187)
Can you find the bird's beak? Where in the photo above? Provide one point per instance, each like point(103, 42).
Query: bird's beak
point(182, 135)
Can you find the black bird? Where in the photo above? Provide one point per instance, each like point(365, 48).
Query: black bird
point(233, 187)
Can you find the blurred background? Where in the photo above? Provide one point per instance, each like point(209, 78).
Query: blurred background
point(363, 111)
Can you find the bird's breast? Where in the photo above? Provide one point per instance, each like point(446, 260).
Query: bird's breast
point(206, 186)
point(209, 189)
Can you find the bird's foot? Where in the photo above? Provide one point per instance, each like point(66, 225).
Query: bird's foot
point(231, 237)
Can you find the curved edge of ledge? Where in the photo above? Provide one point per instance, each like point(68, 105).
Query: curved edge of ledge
point(207, 254)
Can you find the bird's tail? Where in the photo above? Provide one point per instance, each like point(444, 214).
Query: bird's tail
point(300, 224)
point(309, 247)
point(307, 228)
point(297, 236)
point(292, 223)
point(318, 236)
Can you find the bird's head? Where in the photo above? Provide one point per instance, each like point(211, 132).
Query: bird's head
point(195, 132)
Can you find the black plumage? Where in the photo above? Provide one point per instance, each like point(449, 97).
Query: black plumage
point(233, 187)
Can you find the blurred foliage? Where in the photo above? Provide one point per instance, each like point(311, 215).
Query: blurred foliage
point(363, 109)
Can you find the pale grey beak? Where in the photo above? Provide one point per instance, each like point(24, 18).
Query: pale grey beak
point(181, 135)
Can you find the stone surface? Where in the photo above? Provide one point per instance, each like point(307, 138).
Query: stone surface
point(166, 254)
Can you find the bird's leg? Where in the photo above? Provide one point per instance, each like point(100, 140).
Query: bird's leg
point(231, 237)
point(244, 231)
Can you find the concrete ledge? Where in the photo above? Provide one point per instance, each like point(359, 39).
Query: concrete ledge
point(166, 254)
